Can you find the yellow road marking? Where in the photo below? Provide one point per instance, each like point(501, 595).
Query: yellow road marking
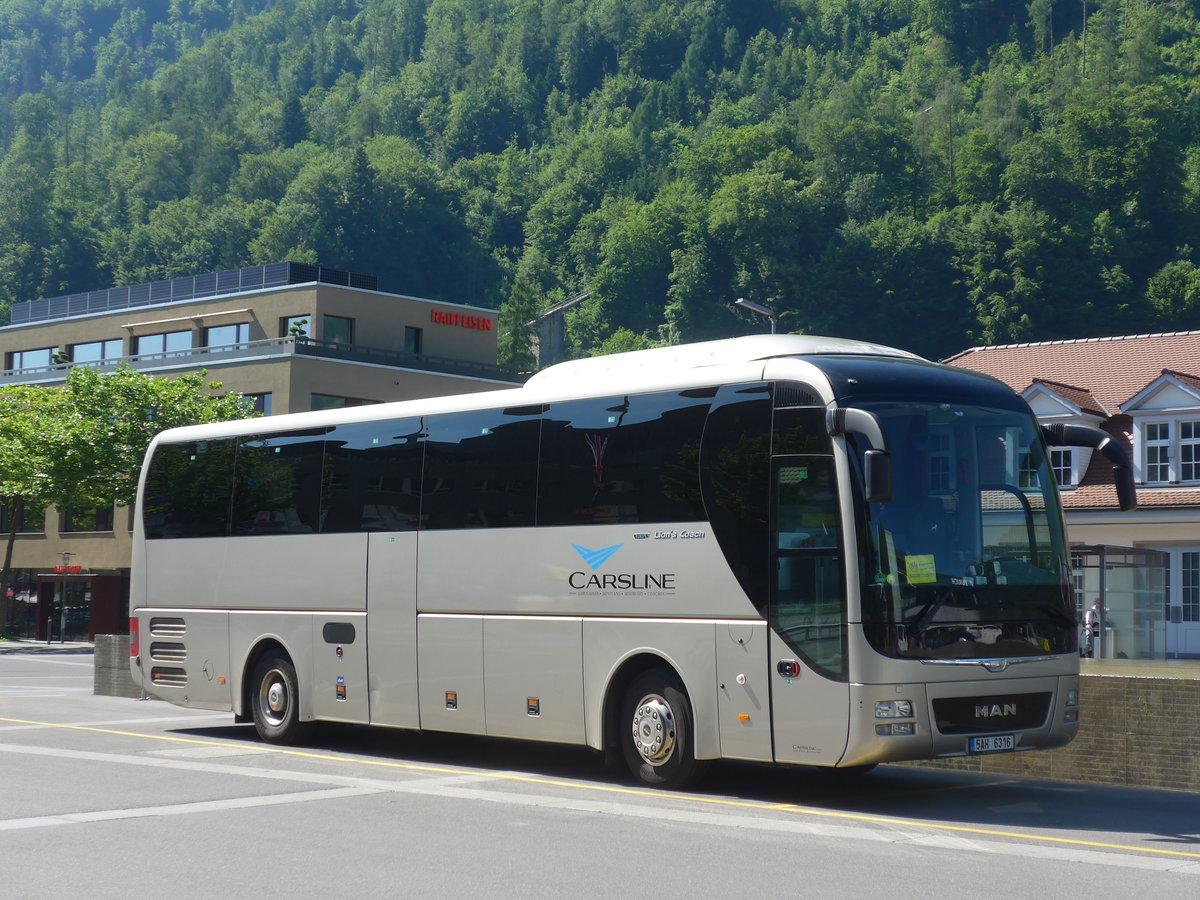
point(635, 792)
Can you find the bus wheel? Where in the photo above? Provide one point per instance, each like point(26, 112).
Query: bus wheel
point(656, 726)
point(276, 701)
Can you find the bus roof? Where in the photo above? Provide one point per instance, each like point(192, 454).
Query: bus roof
point(662, 361)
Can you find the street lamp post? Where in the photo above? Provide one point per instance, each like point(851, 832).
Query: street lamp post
point(757, 308)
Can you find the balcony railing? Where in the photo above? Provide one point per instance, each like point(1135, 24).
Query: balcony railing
point(200, 357)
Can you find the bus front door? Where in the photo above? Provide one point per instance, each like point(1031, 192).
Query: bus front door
point(809, 692)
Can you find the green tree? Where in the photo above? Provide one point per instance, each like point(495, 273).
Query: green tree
point(83, 444)
point(32, 429)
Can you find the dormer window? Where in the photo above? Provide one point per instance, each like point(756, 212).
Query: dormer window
point(1170, 451)
point(1053, 402)
point(1063, 463)
point(1166, 429)
point(1157, 444)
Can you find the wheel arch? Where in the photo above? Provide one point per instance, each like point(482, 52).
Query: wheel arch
point(623, 674)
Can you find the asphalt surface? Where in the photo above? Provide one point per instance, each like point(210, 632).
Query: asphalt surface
point(110, 797)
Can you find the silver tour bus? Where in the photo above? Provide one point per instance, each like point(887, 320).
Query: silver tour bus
point(788, 549)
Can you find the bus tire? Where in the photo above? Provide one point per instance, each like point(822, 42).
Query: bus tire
point(275, 701)
point(656, 731)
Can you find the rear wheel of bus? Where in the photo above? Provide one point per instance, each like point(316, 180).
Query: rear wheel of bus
point(276, 701)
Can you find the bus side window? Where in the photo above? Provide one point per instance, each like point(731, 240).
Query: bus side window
point(188, 487)
point(373, 476)
point(481, 469)
point(623, 459)
point(735, 469)
point(277, 486)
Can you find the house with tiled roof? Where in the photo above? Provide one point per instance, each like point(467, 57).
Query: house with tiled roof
point(1145, 391)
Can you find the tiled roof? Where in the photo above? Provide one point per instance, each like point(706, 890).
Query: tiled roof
point(1190, 380)
point(1111, 369)
point(1081, 397)
point(1104, 496)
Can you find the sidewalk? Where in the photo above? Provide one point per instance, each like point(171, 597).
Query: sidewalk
point(28, 646)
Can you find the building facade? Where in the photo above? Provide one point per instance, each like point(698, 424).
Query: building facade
point(289, 337)
point(1145, 391)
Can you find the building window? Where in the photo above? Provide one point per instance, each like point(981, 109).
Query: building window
point(1189, 457)
point(1171, 452)
point(96, 351)
point(328, 401)
point(412, 340)
point(294, 326)
point(31, 359)
point(1063, 462)
point(167, 342)
point(259, 403)
point(337, 329)
point(1158, 452)
point(1027, 474)
point(30, 521)
point(75, 520)
point(1190, 585)
point(223, 335)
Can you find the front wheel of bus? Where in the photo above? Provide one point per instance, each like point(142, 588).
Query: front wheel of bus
point(656, 731)
point(276, 702)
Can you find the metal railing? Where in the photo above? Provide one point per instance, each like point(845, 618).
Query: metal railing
point(197, 357)
point(187, 287)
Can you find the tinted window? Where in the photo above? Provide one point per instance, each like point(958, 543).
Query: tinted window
point(807, 607)
point(278, 483)
point(800, 431)
point(623, 459)
point(188, 490)
point(374, 476)
point(735, 472)
point(481, 468)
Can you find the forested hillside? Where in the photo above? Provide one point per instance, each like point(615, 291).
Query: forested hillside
point(927, 173)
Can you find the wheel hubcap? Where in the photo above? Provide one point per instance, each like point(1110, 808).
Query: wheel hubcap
point(273, 698)
point(654, 730)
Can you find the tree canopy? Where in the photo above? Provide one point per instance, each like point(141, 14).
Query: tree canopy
point(82, 445)
point(923, 173)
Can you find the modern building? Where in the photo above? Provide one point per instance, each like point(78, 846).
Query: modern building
point(1145, 391)
point(289, 337)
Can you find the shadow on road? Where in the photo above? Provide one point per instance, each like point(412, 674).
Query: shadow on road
point(903, 792)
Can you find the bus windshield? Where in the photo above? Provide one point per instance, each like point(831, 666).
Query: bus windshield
point(966, 561)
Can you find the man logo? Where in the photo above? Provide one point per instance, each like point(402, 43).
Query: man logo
point(596, 558)
point(986, 711)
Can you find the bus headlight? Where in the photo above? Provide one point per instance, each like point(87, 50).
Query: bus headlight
point(1072, 698)
point(893, 709)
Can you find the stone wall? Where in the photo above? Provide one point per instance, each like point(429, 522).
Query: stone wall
point(112, 678)
point(1139, 726)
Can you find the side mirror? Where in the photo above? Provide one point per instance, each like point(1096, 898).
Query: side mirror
point(1126, 492)
point(878, 475)
point(1059, 435)
point(877, 462)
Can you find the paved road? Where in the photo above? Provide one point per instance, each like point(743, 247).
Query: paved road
point(109, 797)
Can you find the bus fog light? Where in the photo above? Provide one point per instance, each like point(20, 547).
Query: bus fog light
point(893, 709)
point(1071, 716)
point(1072, 698)
point(894, 728)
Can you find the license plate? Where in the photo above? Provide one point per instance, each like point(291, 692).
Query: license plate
point(993, 743)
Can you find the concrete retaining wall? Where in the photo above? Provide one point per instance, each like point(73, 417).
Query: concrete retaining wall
point(1139, 726)
point(112, 667)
